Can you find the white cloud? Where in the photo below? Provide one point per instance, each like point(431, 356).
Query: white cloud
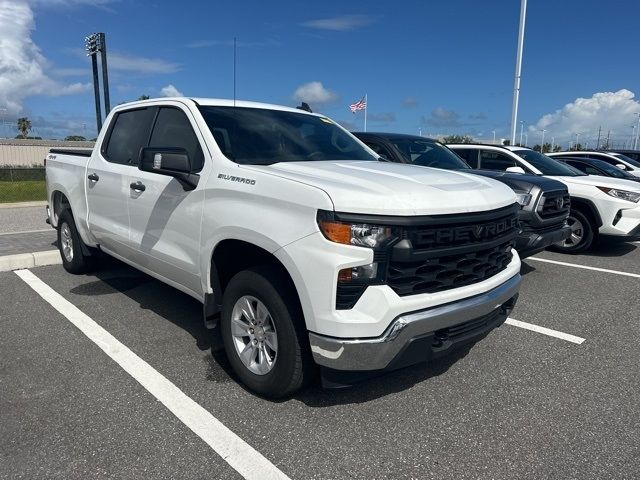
point(609, 110)
point(171, 91)
point(314, 93)
point(22, 65)
point(341, 24)
point(129, 63)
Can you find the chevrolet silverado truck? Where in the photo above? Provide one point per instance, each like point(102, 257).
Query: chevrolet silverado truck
point(303, 248)
point(544, 203)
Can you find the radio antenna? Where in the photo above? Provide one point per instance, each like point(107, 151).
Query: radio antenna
point(234, 71)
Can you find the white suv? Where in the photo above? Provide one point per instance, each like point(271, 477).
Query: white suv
point(612, 158)
point(599, 205)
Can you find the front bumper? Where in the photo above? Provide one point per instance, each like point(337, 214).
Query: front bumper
point(419, 336)
point(531, 242)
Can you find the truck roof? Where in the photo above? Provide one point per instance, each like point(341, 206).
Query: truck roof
point(219, 102)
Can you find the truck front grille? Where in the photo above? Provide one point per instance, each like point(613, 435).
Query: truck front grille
point(452, 252)
point(554, 204)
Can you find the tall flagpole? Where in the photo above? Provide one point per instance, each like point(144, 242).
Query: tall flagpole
point(365, 112)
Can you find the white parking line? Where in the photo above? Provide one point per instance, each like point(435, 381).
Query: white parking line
point(605, 270)
point(243, 458)
point(29, 231)
point(545, 331)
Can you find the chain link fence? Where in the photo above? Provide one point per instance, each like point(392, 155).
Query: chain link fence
point(22, 184)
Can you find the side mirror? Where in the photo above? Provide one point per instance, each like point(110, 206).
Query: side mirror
point(170, 161)
point(621, 166)
point(515, 170)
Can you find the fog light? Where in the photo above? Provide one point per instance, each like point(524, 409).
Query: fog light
point(361, 272)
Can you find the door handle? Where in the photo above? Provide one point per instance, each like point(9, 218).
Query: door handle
point(138, 187)
point(93, 177)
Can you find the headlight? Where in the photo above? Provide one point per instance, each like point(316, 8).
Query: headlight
point(621, 194)
point(523, 199)
point(358, 234)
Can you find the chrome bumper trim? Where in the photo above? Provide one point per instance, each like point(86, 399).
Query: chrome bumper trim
point(376, 353)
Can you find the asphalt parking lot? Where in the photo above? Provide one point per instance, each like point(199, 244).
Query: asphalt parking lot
point(557, 403)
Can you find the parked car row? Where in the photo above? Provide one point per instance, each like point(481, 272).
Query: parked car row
point(308, 253)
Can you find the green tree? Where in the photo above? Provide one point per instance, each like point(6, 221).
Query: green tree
point(557, 148)
point(536, 147)
point(457, 139)
point(143, 97)
point(75, 138)
point(24, 125)
point(577, 146)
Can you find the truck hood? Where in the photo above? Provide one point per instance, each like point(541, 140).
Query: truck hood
point(600, 181)
point(394, 189)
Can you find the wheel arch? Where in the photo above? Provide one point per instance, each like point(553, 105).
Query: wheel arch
point(587, 207)
point(229, 257)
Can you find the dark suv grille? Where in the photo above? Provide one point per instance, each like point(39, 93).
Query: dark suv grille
point(554, 204)
point(452, 251)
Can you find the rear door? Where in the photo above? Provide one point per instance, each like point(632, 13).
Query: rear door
point(166, 218)
point(107, 175)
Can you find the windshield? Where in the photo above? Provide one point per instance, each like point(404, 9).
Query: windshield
point(262, 137)
point(548, 166)
point(629, 160)
point(429, 154)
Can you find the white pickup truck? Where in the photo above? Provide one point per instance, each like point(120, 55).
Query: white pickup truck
point(303, 248)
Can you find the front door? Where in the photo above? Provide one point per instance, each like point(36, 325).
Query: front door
point(165, 218)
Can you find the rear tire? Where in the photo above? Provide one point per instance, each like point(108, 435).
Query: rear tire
point(583, 233)
point(263, 332)
point(71, 246)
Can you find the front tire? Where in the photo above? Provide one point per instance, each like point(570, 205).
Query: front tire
point(583, 233)
point(263, 333)
point(71, 246)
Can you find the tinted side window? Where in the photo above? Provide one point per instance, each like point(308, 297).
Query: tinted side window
point(469, 155)
point(604, 158)
point(579, 165)
point(173, 129)
point(130, 132)
point(380, 150)
point(495, 160)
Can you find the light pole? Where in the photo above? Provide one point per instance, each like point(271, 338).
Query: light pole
point(95, 43)
point(4, 130)
point(542, 144)
point(577, 136)
point(553, 141)
point(633, 136)
point(521, 131)
point(494, 137)
point(516, 86)
point(635, 143)
point(526, 139)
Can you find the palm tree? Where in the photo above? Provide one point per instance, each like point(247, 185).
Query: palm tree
point(24, 125)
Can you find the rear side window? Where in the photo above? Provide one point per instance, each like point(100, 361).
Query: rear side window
point(469, 155)
point(130, 132)
point(173, 129)
point(495, 160)
point(580, 166)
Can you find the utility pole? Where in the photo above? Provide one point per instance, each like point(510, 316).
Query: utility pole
point(516, 87)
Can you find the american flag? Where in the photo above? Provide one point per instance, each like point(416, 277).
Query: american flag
point(359, 105)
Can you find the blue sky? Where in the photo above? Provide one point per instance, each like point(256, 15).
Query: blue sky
point(438, 67)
